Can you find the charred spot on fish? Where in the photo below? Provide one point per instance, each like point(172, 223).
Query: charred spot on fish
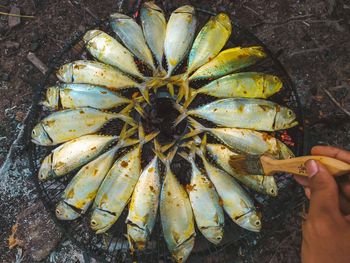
point(190, 187)
point(124, 164)
point(169, 194)
point(264, 107)
point(151, 188)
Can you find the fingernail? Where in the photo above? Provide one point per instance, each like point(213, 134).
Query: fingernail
point(311, 168)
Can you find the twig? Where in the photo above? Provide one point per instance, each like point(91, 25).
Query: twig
point(290, 19)
point(317, 49)
point(22, 16)
point(37, 62)
point(336, 102)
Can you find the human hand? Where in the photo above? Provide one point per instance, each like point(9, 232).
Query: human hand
point(342, 181)
point(326, 229)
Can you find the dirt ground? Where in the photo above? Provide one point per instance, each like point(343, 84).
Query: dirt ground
point(311, 38)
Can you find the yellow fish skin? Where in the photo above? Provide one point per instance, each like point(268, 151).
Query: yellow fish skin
point(236, 202)
point(242, 85)
point(228, 61)
point(209, 41)
point(109, 51)
point(263, 184)
point(65, 125)
point(179, 35)
point(95, 73)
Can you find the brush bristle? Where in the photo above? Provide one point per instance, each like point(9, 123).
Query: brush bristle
point(246, 164)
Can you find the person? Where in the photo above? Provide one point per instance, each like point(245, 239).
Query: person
point(326, 228)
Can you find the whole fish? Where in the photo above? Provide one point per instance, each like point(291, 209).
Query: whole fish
point(131, 35)
point(73, 154)
point(65, 125)
point(205, 204)
point(108, 50)
point(236, 202)
point(253, 114)
point(228, 61)
point(209, 41)
point(154, 27)
point(242, 85)
point(72, 96)
point(244, 140)
point(82, 189)
point(143, 207)
point(95, 73)
point(117, 187)
point(179, 36)
point(263, 184)
point(176, 214)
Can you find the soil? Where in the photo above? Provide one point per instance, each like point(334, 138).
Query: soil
point(311, 38)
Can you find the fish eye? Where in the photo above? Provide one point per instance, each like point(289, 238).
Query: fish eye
point(33, 132)
point(93, 223)
point(275, 79)
point(289, 113)
point(58, 212)
point(272, 191)
point(257, 223)
point(219, 238)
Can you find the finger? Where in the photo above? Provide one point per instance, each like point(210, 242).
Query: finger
point(344, 204)
point(331, 151)
point(302, 180)
point(307, 191)
point(324, 198)
point(345, 188)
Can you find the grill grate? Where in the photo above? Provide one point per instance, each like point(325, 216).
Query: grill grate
point(113, 247)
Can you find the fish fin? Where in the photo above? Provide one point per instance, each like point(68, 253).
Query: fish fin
point(144, 90)
point(186, 87)
point(203, 144)
point(126, 119)
point(183, 114)
point(171, 89)
point(180, 95)
point(184, 155)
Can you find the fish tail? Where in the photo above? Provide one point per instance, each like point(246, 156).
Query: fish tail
point(183, 114)
point(192, 95)
point(125, 118)
point(171, 89)
point(146, 138)
point(197, 128)
point(159, 151)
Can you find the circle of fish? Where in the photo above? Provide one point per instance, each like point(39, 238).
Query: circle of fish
point(89, 90)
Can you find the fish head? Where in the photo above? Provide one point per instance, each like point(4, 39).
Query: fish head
point(90, 35)
point(101, 220)
point(40, 136)
point(52, 97)
point(213, 234)
point(137, 237)
point(272, 84)
point(153, 6)
point(65, 73)
point(250, 221)
point(225, 21)
point(65, 212)
point(185, 9)
point(270, 185)
point(45, 171)
point(182, 251)
point(285, 118)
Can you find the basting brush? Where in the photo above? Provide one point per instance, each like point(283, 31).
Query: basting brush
point(262, 164)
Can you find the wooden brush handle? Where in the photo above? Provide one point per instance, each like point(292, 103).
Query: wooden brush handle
point(297, 165)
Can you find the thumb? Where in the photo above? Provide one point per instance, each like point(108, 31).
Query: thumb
point(324, 197)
